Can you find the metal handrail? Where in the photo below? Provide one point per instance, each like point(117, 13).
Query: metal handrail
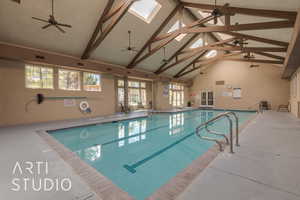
point(236, 127)
point(222, 115)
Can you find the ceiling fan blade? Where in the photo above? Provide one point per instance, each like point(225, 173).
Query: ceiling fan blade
point(61, 30)
point(48, 25)
point(65, 25)
point(17, 1)
point(42, 20)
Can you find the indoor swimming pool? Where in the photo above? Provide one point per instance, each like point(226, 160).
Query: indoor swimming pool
point(143, 154)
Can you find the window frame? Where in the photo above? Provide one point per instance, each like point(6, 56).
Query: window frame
point(79, 79)
point(83, 81)
point(41, 77)
point(176, 95)
point(140, 88)
point(152, 14)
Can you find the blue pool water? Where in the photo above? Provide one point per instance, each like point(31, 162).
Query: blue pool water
point(141, 155)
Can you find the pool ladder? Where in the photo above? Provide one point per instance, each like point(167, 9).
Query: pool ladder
point(229, 141)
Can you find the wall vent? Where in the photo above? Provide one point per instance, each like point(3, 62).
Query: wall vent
point(220, 82)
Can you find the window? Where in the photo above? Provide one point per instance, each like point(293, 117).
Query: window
point(211, 54)
point(175, 27)
point(121, 89)
point(145, 9)
point(207, 98)
point(176, 95)
point(198, 43)
point(91, 82)
point(136, 93)
point(38, 77)
point(68, 79)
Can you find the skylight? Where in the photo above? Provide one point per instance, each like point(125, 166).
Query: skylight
point(197, 44)
point(145, 9)
point(211, 54)
point(175, 27)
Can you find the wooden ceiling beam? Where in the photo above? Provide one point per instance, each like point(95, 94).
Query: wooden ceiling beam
point(191, 63)
point(94, 44)
point(203, 47)
point(207, 61)
point(256, 60)
point(187, 72)
point(270, 55)
point(187, 27)
point(98, 27)
point(292, 61)
point(194, 53)
point(243, 27)
point(258, 39)
point(158, 30)
point(177, 52)
point(245, 11)
point(170, 37)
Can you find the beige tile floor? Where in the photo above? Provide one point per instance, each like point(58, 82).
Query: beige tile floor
point(265, 167)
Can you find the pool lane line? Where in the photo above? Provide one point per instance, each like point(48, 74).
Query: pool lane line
point(132, 168)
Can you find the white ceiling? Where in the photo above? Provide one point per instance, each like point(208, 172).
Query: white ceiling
point(17, 27)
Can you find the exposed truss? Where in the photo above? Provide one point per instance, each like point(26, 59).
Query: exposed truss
point(245, 11)
point(113, 14)
point(109, 14)
point(192, 66)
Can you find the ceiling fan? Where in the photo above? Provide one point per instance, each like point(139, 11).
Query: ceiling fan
point(240, 42)
point(249, 56)
point(216, 12)
point(52, 21)
point(164, 60)
point(254, 66)
point(130, 48)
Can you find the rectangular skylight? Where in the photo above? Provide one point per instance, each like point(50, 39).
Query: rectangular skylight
point(211, 54)
point(175, 27)
point(145, 9)
point(198, 43)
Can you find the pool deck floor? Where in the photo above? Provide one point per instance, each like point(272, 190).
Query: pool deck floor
point(265, 167)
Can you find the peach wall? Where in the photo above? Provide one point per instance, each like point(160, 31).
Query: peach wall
point(295, 94)
point(262, 83)
point(14, 96)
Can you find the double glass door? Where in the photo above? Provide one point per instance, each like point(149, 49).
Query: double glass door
point(207, 98)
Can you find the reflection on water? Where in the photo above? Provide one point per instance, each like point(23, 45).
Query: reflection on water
point(134, 129)
point(92, 153)
point(205, 116)
point(176, 123)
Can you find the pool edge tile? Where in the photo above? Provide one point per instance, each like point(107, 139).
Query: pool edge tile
point(173, 188)
point(102, 186)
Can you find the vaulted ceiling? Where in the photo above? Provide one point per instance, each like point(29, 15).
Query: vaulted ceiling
point(17, 27)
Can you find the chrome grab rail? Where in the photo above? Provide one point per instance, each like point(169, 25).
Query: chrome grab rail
point(222, 115)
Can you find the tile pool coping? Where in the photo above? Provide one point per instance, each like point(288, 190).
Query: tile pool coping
point(107, 190)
